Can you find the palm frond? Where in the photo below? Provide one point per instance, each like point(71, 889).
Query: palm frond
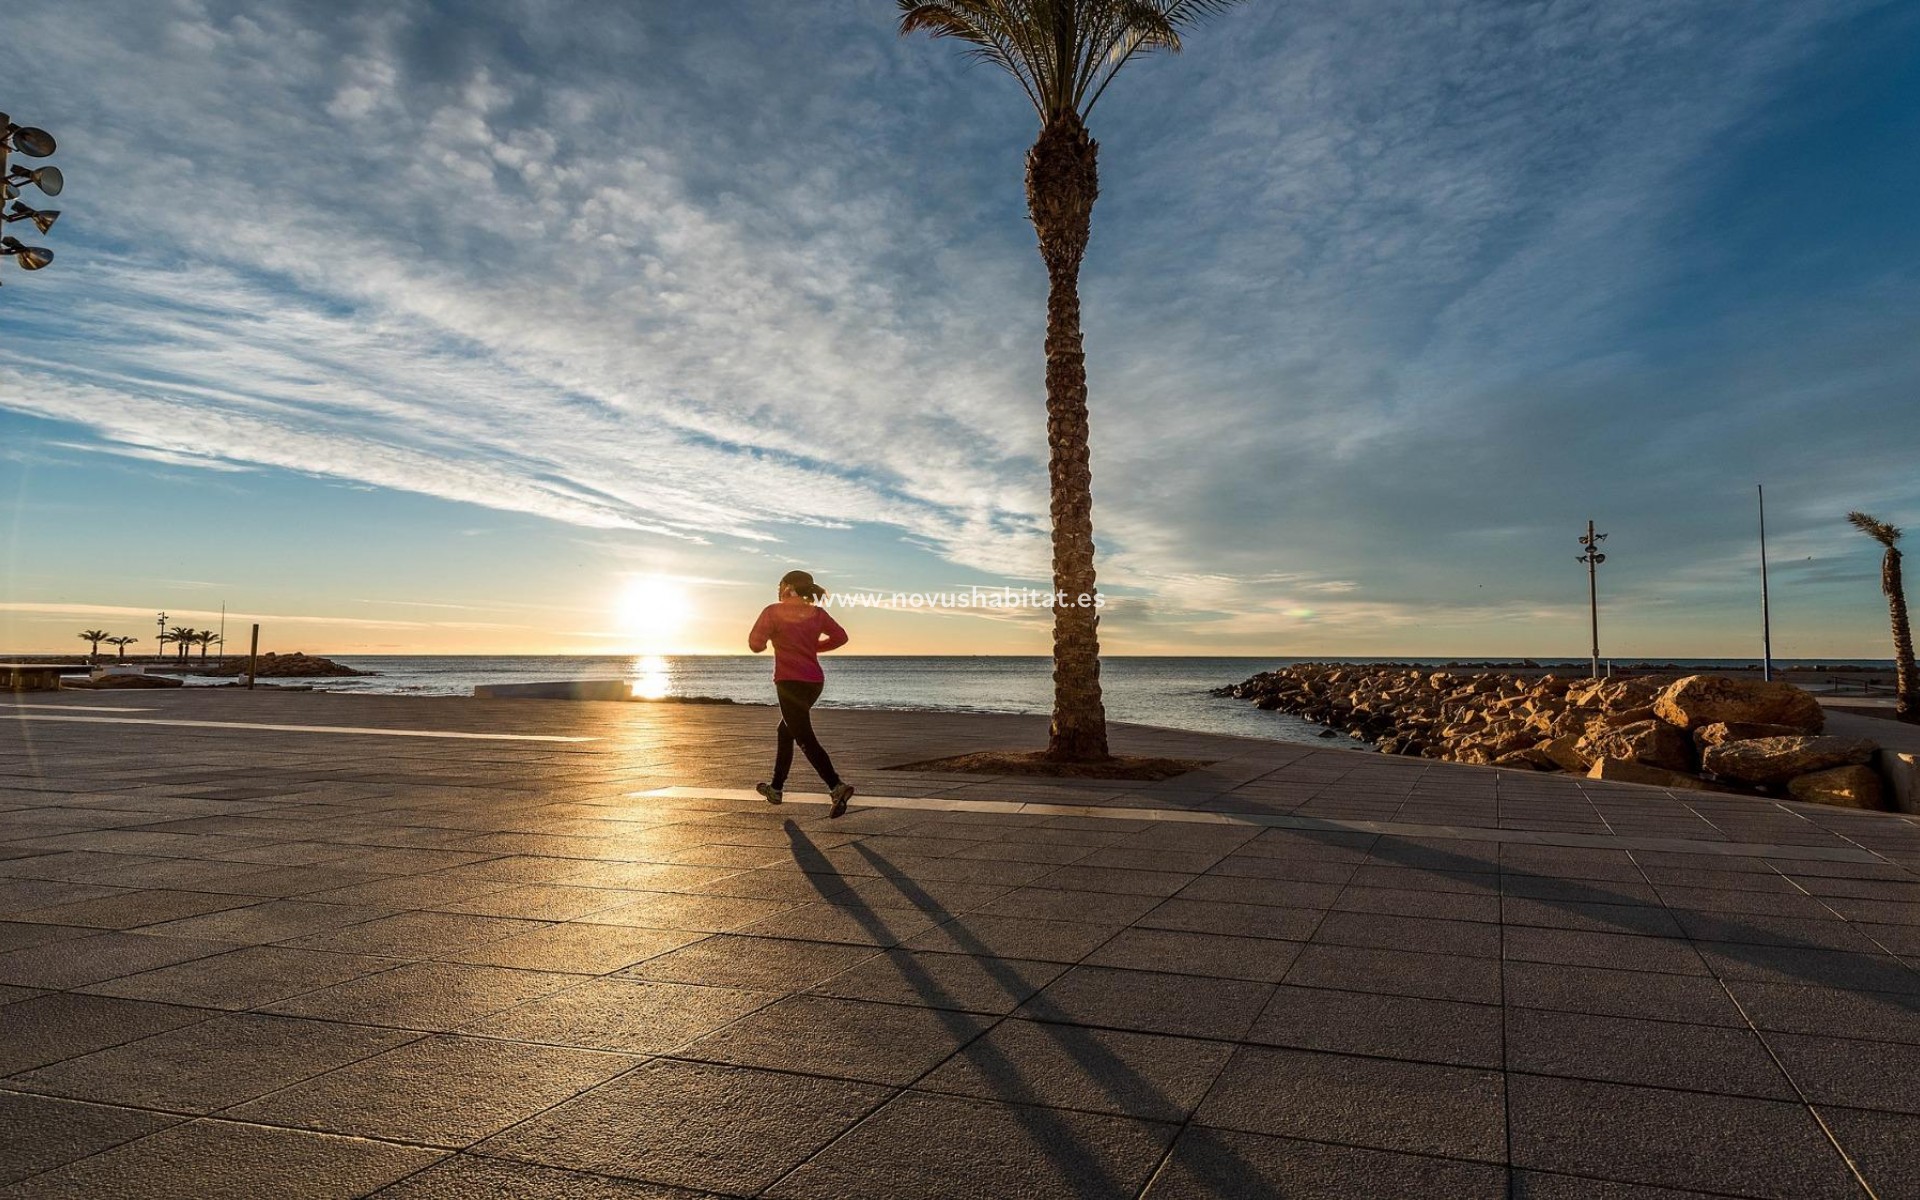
point(1880, 531)
point(1063, 53)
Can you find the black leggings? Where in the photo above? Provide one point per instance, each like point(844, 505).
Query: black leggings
point(797, 698)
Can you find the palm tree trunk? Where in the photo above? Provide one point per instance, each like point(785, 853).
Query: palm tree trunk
point(1906, 705)
point(1063, 181)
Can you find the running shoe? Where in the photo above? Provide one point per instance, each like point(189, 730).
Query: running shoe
point(773, 794)
point(841, 794)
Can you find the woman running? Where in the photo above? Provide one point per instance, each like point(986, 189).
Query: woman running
point(800, 631)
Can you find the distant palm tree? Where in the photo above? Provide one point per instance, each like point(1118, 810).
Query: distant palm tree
point(123, 641)
point(1906, 704)
point(95, 637)
point(207, 637)
point(182, 637)
point(1063, 54)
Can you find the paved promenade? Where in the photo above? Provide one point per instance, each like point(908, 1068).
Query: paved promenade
point(303, 945)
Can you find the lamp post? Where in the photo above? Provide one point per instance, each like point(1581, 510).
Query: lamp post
point(1766, 603)
point(159, 645)
point(1593, 558)
point(30, 143)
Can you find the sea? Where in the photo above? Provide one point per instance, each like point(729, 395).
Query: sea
point(1172, 692)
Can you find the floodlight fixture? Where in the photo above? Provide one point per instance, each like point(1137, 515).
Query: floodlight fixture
point(47, 179)
point(42, 218)
point(34, 143)
point(30, 258)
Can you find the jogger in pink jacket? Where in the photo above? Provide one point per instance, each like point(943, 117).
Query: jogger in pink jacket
point(799, 631)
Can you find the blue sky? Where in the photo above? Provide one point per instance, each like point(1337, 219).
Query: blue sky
point(443, 327)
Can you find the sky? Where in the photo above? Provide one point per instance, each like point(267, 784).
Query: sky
point(547, 326)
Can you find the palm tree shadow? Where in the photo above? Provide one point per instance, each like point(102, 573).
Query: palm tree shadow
point(1776, 954)
point(1086, 1169)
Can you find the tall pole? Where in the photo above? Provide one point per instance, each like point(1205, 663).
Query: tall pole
point(253, 656)
point(1766, 604)
point(160, 642)
point(1593, 558)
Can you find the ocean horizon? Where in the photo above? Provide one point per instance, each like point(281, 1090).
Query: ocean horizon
point(1171, 691)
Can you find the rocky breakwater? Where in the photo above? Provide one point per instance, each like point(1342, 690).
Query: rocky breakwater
point(298, 665)
point(1700, 732)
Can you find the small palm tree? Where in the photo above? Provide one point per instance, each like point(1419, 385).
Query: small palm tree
point(123, 641)
point(1063, 54)
point(1906, 704)
point(94, 637)
point(207, 637)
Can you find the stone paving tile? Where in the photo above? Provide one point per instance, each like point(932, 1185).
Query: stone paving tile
point(1151, 1002)
point(78, 961)
point(416, 935)
point(692, 1125)
point(680, 910)
point(1409, 1027)
point(63, 1025)
point(22, 935)
point(1210, 1163)
point(39, 1133)
point(1546, 1185)
point(439, 1091)
point(630, 1016)
point(1745, 1146)
point(1234, 920)
point(1472, 939)
point(1419, 1108)
point(1881, 1146)
point(1218, 956)
point(273, 921)
point(576, 948)
point(949, 1148)
point(132, 909)
point(1694, 999)
point(932, 979)
point(1058, 904)
point(1014, 937)
point(471, 1177)
point(846, 1039)
point(765, 964)
point(210, 1065)
point(1617, 951)
point(1149, 1076)
point(1850, 1073)
point(426, 996)
point(1807, 1008)
point(222, 1160)
point(1398, 973)
point(1654, 1053)
point(1796, 964)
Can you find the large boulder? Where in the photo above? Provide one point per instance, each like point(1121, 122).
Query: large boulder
point(1565, 753)
point(1778, 759)
point(1706, 699)
point(1650, 743)
point(1619, 770)
point(1739, 731)
point(1849, 787)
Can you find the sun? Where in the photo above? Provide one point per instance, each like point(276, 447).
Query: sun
point(651, 612)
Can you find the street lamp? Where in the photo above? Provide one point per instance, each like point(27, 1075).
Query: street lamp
point(31, 143)
point(1593, 558)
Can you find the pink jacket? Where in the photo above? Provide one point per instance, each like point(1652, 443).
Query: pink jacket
point(800, 634)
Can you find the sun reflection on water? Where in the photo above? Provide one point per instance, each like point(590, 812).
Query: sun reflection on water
point(650, 680)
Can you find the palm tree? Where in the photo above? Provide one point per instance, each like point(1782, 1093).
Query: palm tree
point(1063, 54)
point(182, 637)
point(207, 637)
point(94, 637)
point(1906, 705)
point(123, 641)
